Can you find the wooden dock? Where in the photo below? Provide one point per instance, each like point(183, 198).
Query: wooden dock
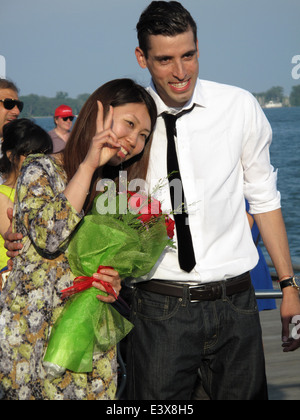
point(283, 369)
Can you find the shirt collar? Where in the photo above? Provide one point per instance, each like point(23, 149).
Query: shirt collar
point(198, 98)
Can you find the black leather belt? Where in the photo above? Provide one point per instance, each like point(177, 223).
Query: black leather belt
point(201, 292)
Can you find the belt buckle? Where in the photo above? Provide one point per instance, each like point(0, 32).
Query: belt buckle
point(213, 292)
point(199, 287)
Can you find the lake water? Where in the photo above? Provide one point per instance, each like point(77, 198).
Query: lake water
point(285, 156)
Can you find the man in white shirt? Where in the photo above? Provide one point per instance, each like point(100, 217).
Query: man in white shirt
point(10, 106)
point(205, 316)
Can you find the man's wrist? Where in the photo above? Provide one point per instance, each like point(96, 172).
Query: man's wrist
point(288, 276)
point(290, 291)
point(290, 286)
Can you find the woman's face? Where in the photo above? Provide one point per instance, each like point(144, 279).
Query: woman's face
point(132, 126)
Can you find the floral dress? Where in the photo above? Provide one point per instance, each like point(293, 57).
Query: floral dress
point(9, 193)
point(30, 301)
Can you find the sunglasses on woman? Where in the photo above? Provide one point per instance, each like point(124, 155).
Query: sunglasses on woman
point(68, 118)
point(11, 103)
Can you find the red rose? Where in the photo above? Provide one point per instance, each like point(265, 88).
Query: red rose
point(170, 224)
point(136, 201)
point(147, 207)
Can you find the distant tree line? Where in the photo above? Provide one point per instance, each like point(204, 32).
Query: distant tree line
point(295, 96)
point(42, 106)
point(276, 94)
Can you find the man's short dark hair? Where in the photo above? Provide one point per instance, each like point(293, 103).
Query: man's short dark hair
point(163, 18)
point(7, 84)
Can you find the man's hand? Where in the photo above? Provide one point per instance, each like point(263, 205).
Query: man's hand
point(11, 240)
point(293, 343)
point(290, 310)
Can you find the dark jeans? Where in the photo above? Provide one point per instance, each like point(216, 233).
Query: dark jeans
point(173, 338)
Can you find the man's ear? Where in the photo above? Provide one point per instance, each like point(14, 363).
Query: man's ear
point(140, 56)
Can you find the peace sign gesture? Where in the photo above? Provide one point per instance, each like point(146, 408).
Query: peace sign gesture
point(104, 144)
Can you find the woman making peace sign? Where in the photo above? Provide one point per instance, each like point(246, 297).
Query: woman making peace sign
point(52, 197)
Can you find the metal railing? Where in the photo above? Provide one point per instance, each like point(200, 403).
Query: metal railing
point(273, 294)
point(268, 294)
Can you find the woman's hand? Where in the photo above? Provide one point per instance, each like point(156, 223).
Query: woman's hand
point(105, 143)
point(11, 239)
point(112, 277)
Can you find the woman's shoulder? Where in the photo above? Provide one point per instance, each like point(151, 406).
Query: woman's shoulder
point(38, 159)
point(42, 162)
point(6, 191)
point(39, 167)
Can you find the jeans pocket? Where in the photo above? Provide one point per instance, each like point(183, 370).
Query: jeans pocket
point(244, 302)
point(154, 307)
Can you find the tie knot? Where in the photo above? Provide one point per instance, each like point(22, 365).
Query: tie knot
point(174, 117)
point(170, 119)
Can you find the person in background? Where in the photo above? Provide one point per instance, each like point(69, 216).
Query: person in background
point(260, 274)
point(16, 146)
point(63, 119)
point(10, 106)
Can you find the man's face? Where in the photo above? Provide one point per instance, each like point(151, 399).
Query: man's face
point(63, 125)
point(173, 64)
point(7, 115)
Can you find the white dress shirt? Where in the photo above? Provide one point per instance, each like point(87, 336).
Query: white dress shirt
point(223, 154)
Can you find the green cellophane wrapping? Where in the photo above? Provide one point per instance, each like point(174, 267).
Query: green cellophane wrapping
point(121, 241)
point(87, 325)
point(103, 240)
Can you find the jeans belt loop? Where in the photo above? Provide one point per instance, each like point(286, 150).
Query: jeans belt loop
point(186, 295)
point(224, 292)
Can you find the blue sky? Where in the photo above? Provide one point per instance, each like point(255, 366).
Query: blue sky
point(75, 46)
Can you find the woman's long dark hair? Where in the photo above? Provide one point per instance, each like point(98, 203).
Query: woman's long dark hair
point(21, 137)
point(115, 93)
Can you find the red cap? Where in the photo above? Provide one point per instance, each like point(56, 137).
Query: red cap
point(63, 111)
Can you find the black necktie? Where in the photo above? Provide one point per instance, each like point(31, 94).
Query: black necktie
point(186, 254)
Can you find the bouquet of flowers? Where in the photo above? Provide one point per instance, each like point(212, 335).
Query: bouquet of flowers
point(131, 242)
